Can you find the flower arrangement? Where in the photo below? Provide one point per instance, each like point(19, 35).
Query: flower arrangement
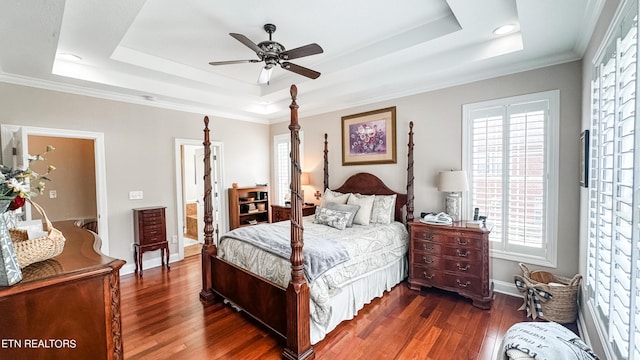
point(16, 185)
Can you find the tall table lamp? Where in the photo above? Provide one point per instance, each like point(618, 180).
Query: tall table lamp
point(453, 182)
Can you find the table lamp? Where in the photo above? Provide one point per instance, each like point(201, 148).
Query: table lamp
point(453, 182)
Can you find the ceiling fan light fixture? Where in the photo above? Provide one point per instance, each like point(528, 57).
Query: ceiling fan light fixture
point(265, 75)
point(504, 29)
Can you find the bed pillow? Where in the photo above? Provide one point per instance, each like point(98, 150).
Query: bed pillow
point(384, 209)
point(363, 216)
point(352, 210)
point(334, 197)
point(334, 218)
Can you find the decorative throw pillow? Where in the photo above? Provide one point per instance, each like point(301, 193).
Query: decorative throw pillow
point(334, 197)
point(366, 204)
point(333, 218)
point(352, 210)
point(384, 208)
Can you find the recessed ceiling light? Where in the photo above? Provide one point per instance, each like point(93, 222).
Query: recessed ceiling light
point(504, 29)
point(68, 57)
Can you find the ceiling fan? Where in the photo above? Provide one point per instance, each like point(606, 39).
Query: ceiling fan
point(273, 53)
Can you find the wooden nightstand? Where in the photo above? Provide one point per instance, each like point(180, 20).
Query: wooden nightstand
point(451, 257)
point(282, 213)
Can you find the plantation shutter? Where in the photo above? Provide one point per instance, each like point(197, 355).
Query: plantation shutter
point(509, 175)
point(283, 162)
point(613, 261)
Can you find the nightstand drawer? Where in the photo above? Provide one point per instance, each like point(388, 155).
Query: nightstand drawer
point(462, 253)
point(426, 259)
point(461, 283)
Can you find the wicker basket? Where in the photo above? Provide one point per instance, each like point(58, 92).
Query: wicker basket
point(562, 307)
point(30, 251)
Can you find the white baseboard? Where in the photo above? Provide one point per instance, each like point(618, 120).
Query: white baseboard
point(507, 288)
point(129, 268)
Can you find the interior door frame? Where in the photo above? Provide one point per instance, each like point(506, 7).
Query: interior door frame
point(7, 132)
point(179, 198)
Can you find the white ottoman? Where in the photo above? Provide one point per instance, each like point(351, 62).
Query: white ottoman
point(543, 341)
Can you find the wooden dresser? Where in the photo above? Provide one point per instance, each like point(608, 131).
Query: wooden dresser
point(67, 307)
point(451, 257)
point(150, 233)
point(282, 213)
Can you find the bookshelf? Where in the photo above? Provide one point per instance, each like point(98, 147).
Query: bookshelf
point(248, 206)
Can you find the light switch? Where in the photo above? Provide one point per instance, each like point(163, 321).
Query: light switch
point(135, 195)
point(53, 194)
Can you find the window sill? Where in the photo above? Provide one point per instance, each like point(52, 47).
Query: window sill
point(524, 258)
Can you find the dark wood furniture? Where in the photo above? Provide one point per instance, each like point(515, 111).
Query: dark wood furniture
point(451, 257)
point(248, 206)
point(282, 213)
point(150, 233)
point(285, 311)
point(67, 307)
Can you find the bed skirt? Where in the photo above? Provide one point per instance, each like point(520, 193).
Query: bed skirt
point(346, 303)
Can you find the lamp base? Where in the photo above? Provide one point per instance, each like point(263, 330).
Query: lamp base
point(453, 206)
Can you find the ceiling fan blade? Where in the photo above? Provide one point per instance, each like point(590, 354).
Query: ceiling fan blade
point(229, 62)
point(306, 50)
point(248, 43)
point(300, 70)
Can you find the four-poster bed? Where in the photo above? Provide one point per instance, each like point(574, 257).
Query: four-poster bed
point(283, 300)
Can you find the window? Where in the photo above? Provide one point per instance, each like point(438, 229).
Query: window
point(510, 152)
point(282, 165)
point(613, 262)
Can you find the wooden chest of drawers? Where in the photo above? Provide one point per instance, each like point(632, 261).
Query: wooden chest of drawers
point(282, 213)
point(451, 257)
point(150, 233)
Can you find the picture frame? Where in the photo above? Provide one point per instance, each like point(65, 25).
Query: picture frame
point(584, 158)
point(369, 138)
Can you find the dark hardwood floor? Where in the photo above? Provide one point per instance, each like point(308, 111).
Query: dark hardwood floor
point(162, 318)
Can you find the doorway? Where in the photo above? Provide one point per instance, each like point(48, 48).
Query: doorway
point(190, 193)
point(15, 145)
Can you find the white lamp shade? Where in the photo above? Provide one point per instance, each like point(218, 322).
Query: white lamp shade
point(453, 181)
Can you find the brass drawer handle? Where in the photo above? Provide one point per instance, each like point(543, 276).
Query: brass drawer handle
point(465, 254)
point(424, 273)
point(463, 268)
point(461, 241)
point(427, 247)
point(427, 236)
point(427, 260)
point(467, 283)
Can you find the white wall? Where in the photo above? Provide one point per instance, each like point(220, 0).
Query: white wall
point(139, 149)
point(437, 117)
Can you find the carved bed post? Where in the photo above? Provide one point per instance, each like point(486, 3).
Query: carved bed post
point(209, 248)
point(410, 196)
point(326, 163)
point(298, 327)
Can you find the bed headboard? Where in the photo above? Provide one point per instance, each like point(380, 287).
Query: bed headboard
point(369, 184)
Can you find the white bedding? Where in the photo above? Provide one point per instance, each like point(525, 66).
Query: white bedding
point(377, 263)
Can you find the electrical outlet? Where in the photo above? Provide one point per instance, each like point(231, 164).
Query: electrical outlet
point(174, 239)
point(135, 195)
point(53, 194)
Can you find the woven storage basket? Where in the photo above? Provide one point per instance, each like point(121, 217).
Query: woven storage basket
point(563, 306)
point(30, 251)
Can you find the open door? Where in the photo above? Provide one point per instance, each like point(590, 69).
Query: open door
point(189, 180)
point(15, 145)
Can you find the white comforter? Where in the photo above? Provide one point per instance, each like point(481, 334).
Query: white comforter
point(369, 247)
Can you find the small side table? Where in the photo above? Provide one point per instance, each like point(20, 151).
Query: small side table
point(138, 250)
point(282, 213)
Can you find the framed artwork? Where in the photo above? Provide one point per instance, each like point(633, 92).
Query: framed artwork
point(369, 138)
point(584, 158)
